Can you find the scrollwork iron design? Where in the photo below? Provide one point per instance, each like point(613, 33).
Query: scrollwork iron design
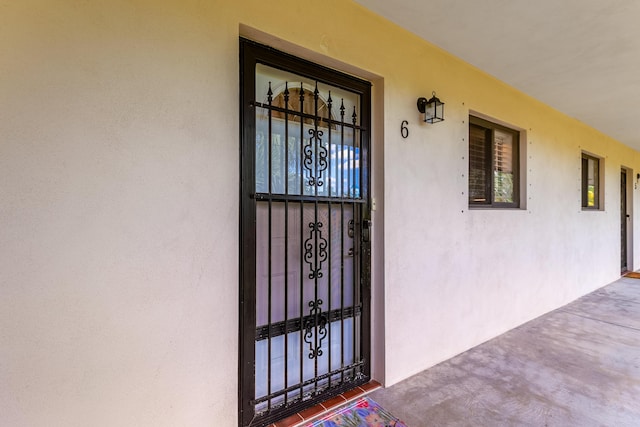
point(316, 322)
point(315, 157)
point(317, 257)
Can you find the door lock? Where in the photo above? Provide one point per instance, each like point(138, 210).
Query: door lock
point(366, 230)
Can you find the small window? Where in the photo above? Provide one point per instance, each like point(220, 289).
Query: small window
point(494, 179)
point(590, 182)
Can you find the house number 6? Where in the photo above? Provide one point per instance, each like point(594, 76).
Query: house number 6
point(404, 130)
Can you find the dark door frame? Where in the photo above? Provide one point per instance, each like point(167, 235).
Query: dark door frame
point(252, 53)
point(625, 220)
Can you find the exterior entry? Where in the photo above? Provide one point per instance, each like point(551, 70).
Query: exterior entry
point(305, 227)
point(624, 223)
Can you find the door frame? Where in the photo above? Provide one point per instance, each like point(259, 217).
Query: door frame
point(627, 216)
point(247, 274)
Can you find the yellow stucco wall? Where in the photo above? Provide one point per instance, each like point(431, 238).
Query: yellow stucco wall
point(119, 204)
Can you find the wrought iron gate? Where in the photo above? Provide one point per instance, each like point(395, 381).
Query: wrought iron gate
point(305, 250)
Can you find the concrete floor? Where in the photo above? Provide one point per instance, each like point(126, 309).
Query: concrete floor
point(576, 366)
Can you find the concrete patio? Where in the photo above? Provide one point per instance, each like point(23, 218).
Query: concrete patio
point(576, 366)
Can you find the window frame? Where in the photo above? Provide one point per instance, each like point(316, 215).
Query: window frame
point(584, 187)
point(490, 127)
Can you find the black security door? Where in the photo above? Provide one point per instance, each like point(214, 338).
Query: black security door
point(305, 249)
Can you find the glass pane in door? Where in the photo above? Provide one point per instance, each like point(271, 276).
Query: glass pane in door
point(308, 189)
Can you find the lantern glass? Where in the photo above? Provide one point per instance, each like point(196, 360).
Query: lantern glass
point(430, 113)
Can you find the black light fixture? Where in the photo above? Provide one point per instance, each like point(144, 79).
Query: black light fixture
point(433, 109)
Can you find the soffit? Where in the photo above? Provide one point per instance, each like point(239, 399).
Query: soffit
point(581, 57)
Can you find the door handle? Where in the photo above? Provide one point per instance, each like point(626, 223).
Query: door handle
point(366, 230)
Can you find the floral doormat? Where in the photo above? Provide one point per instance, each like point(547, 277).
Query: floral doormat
point(363, 412)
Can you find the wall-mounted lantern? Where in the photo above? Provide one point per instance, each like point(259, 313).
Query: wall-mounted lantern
point(433, 109)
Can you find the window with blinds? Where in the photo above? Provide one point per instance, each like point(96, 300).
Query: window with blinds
point(493, 164)
point(590, 182)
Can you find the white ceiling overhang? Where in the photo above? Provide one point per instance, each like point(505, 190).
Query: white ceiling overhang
point(581, 57)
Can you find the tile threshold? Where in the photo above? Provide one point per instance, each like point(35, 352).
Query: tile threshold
point(314, 413)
